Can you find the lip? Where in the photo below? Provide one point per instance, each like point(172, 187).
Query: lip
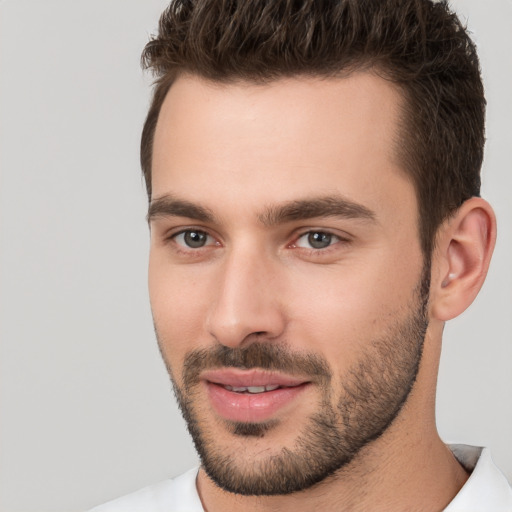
point(238, 378)
point(248, 407)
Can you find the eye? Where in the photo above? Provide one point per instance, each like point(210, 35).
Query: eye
point(316, 240)
point(193, 239)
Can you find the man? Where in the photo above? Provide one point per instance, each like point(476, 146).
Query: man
point(313, 179)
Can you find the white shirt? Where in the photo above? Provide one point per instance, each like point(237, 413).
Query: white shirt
point(486, 490)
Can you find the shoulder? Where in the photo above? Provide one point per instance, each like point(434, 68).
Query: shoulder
point(178, 495)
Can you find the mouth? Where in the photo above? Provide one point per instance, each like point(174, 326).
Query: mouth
point(252, 395)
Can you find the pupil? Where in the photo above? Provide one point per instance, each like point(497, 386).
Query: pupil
point(195, 239)
point(319, 240)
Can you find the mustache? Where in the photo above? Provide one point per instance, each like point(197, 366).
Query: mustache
point(264, 356)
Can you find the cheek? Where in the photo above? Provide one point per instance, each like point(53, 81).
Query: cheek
point(346, 309)
point(178, 305)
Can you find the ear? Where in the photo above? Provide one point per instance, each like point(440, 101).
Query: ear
point(464, 247)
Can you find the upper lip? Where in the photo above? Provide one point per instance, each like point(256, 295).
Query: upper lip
point(249, 378)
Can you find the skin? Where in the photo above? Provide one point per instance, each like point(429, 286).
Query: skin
point(242, 150)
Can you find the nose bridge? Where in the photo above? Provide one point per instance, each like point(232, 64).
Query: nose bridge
point(246, 301)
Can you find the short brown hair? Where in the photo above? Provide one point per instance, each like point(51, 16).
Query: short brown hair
point(420, 45)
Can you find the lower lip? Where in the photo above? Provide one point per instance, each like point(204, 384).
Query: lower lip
point(249, 407)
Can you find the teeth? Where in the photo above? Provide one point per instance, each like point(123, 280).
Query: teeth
point(252, 389)
point(256, 389)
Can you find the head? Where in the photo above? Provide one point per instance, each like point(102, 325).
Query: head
point(301, 160)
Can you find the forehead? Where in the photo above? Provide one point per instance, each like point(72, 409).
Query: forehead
point(277, 141)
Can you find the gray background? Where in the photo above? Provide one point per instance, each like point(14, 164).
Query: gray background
point(86, 409)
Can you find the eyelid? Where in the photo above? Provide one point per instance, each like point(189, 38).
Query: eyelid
point(333, 240)
point(340, 236)
point(173, 234)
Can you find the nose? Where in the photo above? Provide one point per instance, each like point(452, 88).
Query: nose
point(247, 301)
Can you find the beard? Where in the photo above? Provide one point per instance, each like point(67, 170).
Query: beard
point(372, 393)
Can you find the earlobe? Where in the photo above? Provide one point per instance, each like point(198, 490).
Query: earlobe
point(463, 252)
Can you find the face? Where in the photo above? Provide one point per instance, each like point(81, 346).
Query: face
point(286, 278)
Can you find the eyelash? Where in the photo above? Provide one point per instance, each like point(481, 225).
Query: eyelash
point(187, 250)
point(311, 232)
point(182, 248)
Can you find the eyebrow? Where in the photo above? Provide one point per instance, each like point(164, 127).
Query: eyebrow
point(327, 206)
point(300, 209)
point(170, 206)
